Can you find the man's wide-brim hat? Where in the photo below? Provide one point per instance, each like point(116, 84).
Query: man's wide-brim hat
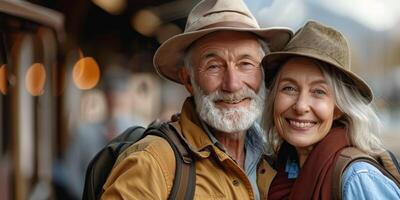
point(209, 16)
point(322, 43)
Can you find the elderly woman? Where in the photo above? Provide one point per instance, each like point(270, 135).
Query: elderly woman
point(317, 107)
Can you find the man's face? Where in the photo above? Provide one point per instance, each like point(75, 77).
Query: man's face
point(227, 80)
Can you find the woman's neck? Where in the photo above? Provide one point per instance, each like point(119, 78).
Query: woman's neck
point(303, 153)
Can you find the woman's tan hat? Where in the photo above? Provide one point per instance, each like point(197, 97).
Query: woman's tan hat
point(209, 16)
point(322, 43)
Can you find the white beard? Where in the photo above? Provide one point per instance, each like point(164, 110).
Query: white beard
point(229, 120)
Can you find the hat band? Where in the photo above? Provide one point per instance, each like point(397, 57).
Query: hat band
point(228, 24)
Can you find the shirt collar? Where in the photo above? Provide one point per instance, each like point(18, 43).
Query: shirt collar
point(214, 140)
point(192, 130)
point(292, 168)
point(254, 138)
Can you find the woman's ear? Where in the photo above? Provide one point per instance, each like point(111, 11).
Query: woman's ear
point(337, 113)
point(185, 79)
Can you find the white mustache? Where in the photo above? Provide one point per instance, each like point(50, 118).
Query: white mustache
point(233, 97)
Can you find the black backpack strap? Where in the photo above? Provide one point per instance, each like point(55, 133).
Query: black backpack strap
point(185, 174)
point(101, 165)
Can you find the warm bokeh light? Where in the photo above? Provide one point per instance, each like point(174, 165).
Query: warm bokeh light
point(167, 31)
point(145, 22)
point(86, 73)
point(3, 79)
point(113, 7)
point(35, 79)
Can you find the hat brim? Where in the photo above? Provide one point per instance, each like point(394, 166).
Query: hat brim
point(275, 59)
point(168, 58)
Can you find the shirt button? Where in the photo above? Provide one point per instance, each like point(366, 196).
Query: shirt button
point(236, 182)
point(262, 171)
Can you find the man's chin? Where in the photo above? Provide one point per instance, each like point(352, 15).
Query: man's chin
point(231, 129)
point(229, 120)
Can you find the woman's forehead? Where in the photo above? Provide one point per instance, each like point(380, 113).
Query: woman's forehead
point(299, 67)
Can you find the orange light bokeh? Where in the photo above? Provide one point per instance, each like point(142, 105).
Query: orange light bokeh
point(3, 79)
point(86, 73)
point(35, 79)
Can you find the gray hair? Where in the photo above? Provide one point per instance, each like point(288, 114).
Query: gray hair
point(359, 118)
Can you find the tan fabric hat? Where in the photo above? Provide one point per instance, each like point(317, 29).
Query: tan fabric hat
point(209, 16)
point(319, 42)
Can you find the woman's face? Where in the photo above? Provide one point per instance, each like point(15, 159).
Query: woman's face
point(304, 104)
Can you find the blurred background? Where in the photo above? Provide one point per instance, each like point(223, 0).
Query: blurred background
point(75, 73)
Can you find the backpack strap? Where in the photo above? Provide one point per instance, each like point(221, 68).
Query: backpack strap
point(185, 174)
point(346, 157)
point(390, 163)
point(101, 165)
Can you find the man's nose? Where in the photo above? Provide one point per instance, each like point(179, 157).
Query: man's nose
point(232, 80)
point(302, 104)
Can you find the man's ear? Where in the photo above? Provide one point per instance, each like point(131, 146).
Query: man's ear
point(185, 79)
point(337, 113)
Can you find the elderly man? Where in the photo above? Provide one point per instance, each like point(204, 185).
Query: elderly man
point(217, 59)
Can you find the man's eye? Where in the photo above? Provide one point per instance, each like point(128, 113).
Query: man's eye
point(246, 65)
point(214, 67)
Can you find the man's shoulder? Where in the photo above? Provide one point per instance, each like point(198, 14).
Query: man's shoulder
point(150, 161)
point(155, 146)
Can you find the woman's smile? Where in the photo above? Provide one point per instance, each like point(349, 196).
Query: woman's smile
point(301, 125)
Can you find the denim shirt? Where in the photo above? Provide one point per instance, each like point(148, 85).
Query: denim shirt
point(254, 146)
point(360, 180)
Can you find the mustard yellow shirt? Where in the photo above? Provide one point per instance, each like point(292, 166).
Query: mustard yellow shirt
point(146, 169)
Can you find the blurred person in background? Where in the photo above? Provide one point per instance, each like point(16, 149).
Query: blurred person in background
point(317, 107)
point(217, 59)
point(105, 113)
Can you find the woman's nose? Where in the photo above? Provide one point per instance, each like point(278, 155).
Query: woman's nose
point(302, 104)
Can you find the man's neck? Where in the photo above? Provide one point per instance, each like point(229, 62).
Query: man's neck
point(234, 145)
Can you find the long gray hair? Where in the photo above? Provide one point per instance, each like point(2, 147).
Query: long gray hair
point(359, 117)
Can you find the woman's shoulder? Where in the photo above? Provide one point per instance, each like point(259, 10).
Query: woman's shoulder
point(363, 170)
point(361, 167)
point(362, 179)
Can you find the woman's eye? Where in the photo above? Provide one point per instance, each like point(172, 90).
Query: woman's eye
point(319, 92)
point(289, 89)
